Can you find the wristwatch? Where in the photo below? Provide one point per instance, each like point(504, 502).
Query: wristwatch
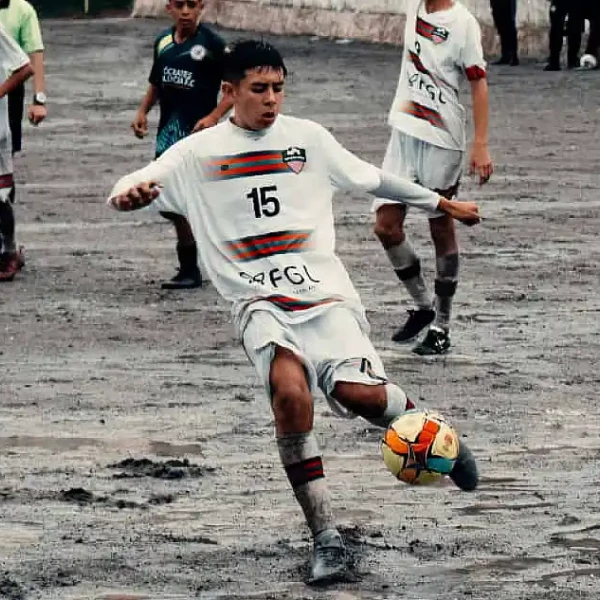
point(40, 98)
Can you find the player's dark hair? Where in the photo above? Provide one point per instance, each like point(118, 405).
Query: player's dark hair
point(251, 54)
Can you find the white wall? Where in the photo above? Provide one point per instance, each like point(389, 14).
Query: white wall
point(373, 20)
point(532, 12)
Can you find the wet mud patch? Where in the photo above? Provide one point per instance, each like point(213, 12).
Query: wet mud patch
point(11, 589)
point(131, 468)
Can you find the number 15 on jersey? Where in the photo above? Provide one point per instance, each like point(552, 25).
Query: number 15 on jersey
point(264, 201)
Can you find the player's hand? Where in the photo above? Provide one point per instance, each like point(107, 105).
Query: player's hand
point(205, 123)
point(137, 197)
point(481, 162)
point(36, 113)
point(465, 212)
point(140, 125)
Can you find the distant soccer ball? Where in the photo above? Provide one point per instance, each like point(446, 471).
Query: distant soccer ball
point(419, 447)
point(588, 61)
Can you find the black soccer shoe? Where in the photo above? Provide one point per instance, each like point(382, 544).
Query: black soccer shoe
point(464, 473)
point(184, 281)
point(416, 322)
point(437, 341)
point(329, 559)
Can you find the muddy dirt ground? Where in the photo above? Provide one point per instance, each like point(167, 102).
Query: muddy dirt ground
point(136, 450)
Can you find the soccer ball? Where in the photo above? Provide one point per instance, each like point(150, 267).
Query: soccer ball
point(419, 447)
point(588, 61)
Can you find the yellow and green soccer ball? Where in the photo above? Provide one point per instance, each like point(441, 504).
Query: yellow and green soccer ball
point(420, 447)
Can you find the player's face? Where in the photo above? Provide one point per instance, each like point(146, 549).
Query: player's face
point(185, 13)
point(257, 98)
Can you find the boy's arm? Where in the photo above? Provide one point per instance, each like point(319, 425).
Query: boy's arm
point(348, 172)
point(480, 161)
point(164, 183)
point(140, 121)
point(16, 79)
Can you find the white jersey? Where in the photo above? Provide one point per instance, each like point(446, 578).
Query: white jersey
point(260, 207)
point(440, 50)
point(12, 58)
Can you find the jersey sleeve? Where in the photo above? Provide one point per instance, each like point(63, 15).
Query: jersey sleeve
point(154, 77)
point(171, 172)
point(31, 33)
point(472, 61)
point(12, 58)
point(346, 171)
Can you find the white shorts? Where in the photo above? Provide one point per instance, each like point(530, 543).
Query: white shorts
point(332, 346)
point(6, 180)
point(435, 168)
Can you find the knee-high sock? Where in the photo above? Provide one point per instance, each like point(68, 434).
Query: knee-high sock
point(408, 270)
point(188, 257)
point(445, 287)
point(7, 225)
point(301, 458)
point(397, 404)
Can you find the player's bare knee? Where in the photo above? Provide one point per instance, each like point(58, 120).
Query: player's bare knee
point(390, 231)
point(292, 405)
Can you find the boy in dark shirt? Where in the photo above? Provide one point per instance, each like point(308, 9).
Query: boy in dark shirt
point(185, 80)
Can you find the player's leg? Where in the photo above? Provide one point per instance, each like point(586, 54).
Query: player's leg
point(499, 16)
point(353, 379)
point(188, 275)
point(558, 14)
point(16, 101)
point(440, 169)
point(575, 28)
point(593, 44)
point(512, 33)
point(389, 228)
point(287, 376)
point(9, 257)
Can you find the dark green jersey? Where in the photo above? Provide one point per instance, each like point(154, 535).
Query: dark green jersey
point(188, 79)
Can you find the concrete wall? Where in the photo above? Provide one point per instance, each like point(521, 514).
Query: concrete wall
point(370, 20)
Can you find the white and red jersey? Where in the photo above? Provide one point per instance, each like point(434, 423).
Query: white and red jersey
point(12, 58)
point(260, 207)
point(441, 49)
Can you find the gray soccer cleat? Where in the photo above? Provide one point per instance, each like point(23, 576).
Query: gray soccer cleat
point(464, 473)
point(329, 558)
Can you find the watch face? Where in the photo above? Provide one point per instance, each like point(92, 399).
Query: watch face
point(40, 98)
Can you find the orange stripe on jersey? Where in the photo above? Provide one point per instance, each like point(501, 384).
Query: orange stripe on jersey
point(425, 113)
point(268, 239)
point(268, 244)
point(243, 158)
point(295, 304)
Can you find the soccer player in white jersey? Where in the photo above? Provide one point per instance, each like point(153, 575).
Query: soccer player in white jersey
point(15, 68)
point(257, 191)
point(442, 47)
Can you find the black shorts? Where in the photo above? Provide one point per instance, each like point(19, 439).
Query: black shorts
point(16, 100)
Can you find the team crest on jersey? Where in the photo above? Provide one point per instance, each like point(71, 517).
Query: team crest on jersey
point(198, 52)
point(432, 32)
point(294, 158)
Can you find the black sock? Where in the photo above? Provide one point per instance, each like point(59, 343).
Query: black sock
point(188, 257)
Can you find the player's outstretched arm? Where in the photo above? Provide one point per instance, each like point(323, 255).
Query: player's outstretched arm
point(412, 194)
point(136, 197)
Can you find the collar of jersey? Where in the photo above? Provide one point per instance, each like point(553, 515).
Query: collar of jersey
point(250, 133)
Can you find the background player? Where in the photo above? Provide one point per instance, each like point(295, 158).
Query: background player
point(257, 191)
point(20, 21)
point(15, 64)
point(427, 143)
point(185, 80)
